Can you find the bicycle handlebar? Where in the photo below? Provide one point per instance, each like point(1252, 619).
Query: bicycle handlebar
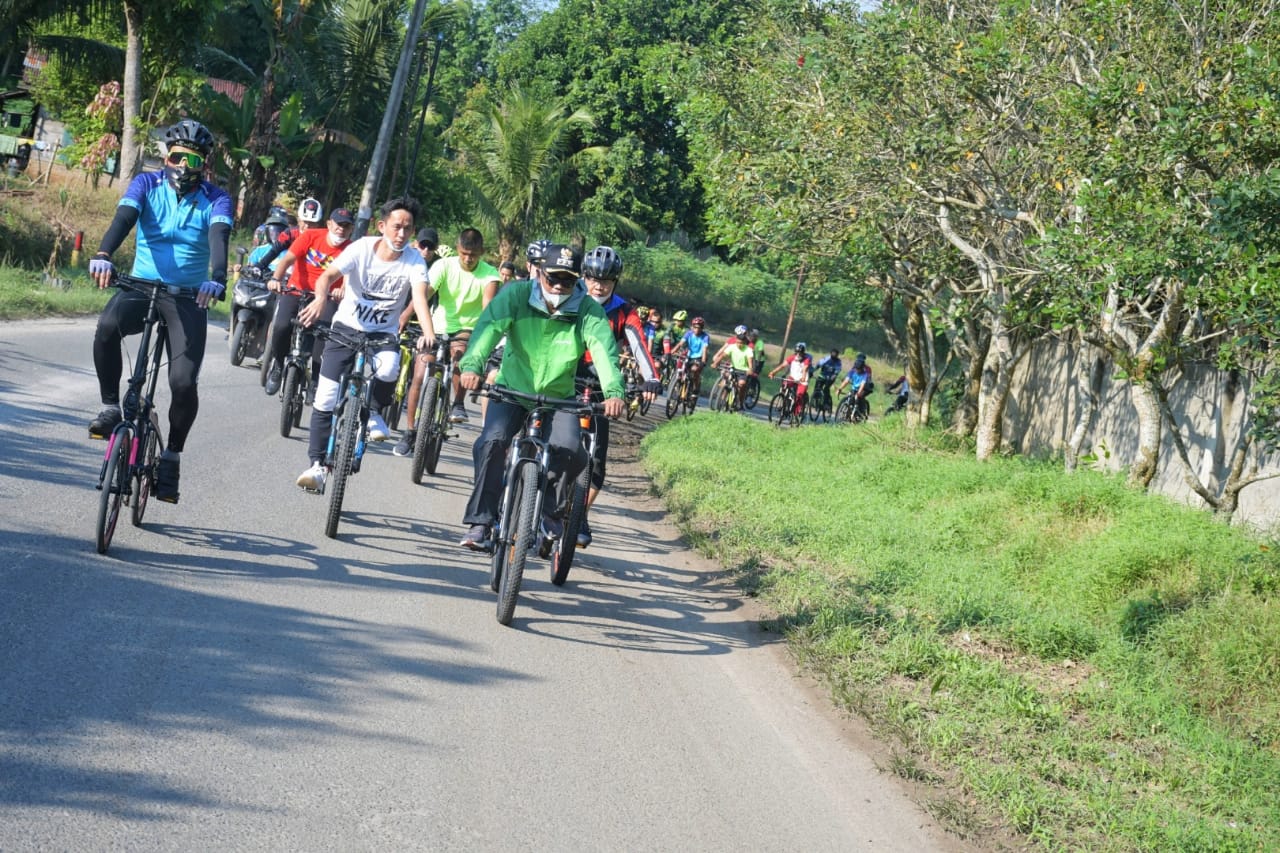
point(367, 341)
point(541, 401)
point(147, 285)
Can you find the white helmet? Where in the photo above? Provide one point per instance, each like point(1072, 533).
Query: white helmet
point(310, 211)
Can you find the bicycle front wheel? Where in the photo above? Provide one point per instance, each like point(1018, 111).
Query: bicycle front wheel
point(427, 424)
point(291, 399)
point(144, 476)
point(524, 536)
point(348, 430)
point(562, 556)
point(676, 389)
point(115, 485)
point(753, 393)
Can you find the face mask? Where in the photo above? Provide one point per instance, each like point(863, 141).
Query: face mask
point(182, 180)
point(602, 299)
point(555, 299)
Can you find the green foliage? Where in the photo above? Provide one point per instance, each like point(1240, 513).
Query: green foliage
point(1095, 664)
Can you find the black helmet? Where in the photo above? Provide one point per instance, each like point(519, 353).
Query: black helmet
point(800, 347)
point(602, 262)
point(190, 134)
point(861, 359)
point(277, 216)
point(537, 252)
point(273, 231)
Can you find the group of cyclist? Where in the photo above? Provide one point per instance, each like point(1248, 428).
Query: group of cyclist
point(555, 331)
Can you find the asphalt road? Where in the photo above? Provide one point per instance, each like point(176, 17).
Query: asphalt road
point(228, 678)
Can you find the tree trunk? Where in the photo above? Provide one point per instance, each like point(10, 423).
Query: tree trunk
point(916, 340)
point(130, 146)
point(1147, 407)
point(977, 341)
point(260, 188)
point(1092, 372)
point(997, 374)
point(795, 300)
point(887, 324)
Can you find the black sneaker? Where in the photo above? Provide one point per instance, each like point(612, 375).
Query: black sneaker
point(106, 421)
point(273, 380)
point(167, 480)
point(404, 447)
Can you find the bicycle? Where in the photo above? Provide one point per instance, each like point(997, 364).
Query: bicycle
point(819, 408)
point(751, 395)
point(128, 473)
point(297, 368)
point(561, 551)
point(680, 389)
point(408, 347)
point(782, 408)
point(516, 530)
point(724, 394)
point(349, 437)
point(852, 409)
point(636, 403)
point(432, 422)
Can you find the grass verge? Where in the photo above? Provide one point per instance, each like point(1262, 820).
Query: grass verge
point(25, 295)
point(1088, 666)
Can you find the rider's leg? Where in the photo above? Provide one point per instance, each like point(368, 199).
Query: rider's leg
point(187, 328)
point(488, 456)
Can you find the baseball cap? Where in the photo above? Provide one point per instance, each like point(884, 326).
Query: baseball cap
point(562, 259)
point(429, 237)
point(342, 216)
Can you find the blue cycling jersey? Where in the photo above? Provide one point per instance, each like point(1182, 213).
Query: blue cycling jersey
point(697, 343)
point(173, 232)
point(828, 368)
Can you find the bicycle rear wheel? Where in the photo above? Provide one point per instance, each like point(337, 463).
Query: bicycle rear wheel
point(715, 400)
point(861, 411)
point(290, 400)
point(348, 430)
point(428, 402)
point(523, 537)
point(115, 485)
point(144, 474)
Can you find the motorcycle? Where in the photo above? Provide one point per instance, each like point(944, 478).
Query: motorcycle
point(252, 307)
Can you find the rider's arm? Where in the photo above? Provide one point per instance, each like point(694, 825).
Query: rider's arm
point(284, 241)
point(126, 217)
point(633, 331)
point(281, 271)
point(219, 242)
point(423, 310)
point(489, 291)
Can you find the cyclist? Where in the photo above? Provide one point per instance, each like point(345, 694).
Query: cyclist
point(308, 255)
point(828, 370)
point(698, 344)
point(799, 366)
point(858, 379)
point(428, 244)
point(465, 285)
point(310, 214)
point(740, 356)
point(600, 271)
point(903, 390)
point(757, 351)
point(534, 256)
point(549, 323)
point(508, 272)
point(184, 225)
point(377, 272)
point(654, 332)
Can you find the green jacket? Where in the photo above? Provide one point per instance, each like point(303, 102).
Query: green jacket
point(543, 350)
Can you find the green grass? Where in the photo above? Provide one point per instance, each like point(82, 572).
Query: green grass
point(25, 295)
point(1092, 667)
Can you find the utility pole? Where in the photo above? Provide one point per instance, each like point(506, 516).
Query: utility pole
point(422, 117)
point(387, 130)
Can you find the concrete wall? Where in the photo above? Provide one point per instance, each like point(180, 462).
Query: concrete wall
point(1045, 406)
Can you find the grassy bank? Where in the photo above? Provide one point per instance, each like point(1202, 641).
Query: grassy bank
point(1088, 666)
point(26, 295)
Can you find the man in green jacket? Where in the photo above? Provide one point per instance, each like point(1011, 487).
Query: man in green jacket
point(549, 322)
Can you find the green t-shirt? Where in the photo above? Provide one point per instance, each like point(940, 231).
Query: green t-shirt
point(740, 356)
point(461, 293)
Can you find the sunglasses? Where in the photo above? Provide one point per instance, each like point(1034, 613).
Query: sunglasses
point(562, 280)
point(190, 160)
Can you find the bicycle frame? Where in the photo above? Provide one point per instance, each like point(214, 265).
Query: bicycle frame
point(132, 483)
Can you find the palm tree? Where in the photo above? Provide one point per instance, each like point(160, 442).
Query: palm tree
point(523, 173)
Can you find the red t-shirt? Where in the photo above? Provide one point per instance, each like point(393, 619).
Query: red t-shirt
point(312, 254)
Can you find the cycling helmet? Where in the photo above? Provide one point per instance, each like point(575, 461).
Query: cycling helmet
point(189, 134)
point(277, 216)
point(696, 321)
point(861, 359)
point(537, 252)
point(800, 347)
point(680, 316)
point(739, 331)
point(310, 211)
point(642, 312)
point(274, 230)
point(602, 262)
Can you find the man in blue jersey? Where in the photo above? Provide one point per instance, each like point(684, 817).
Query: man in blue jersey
point(184, 224)
point(698, 344)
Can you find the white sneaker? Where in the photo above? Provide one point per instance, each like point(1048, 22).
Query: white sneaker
point(313, 478)
point(378, 428)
